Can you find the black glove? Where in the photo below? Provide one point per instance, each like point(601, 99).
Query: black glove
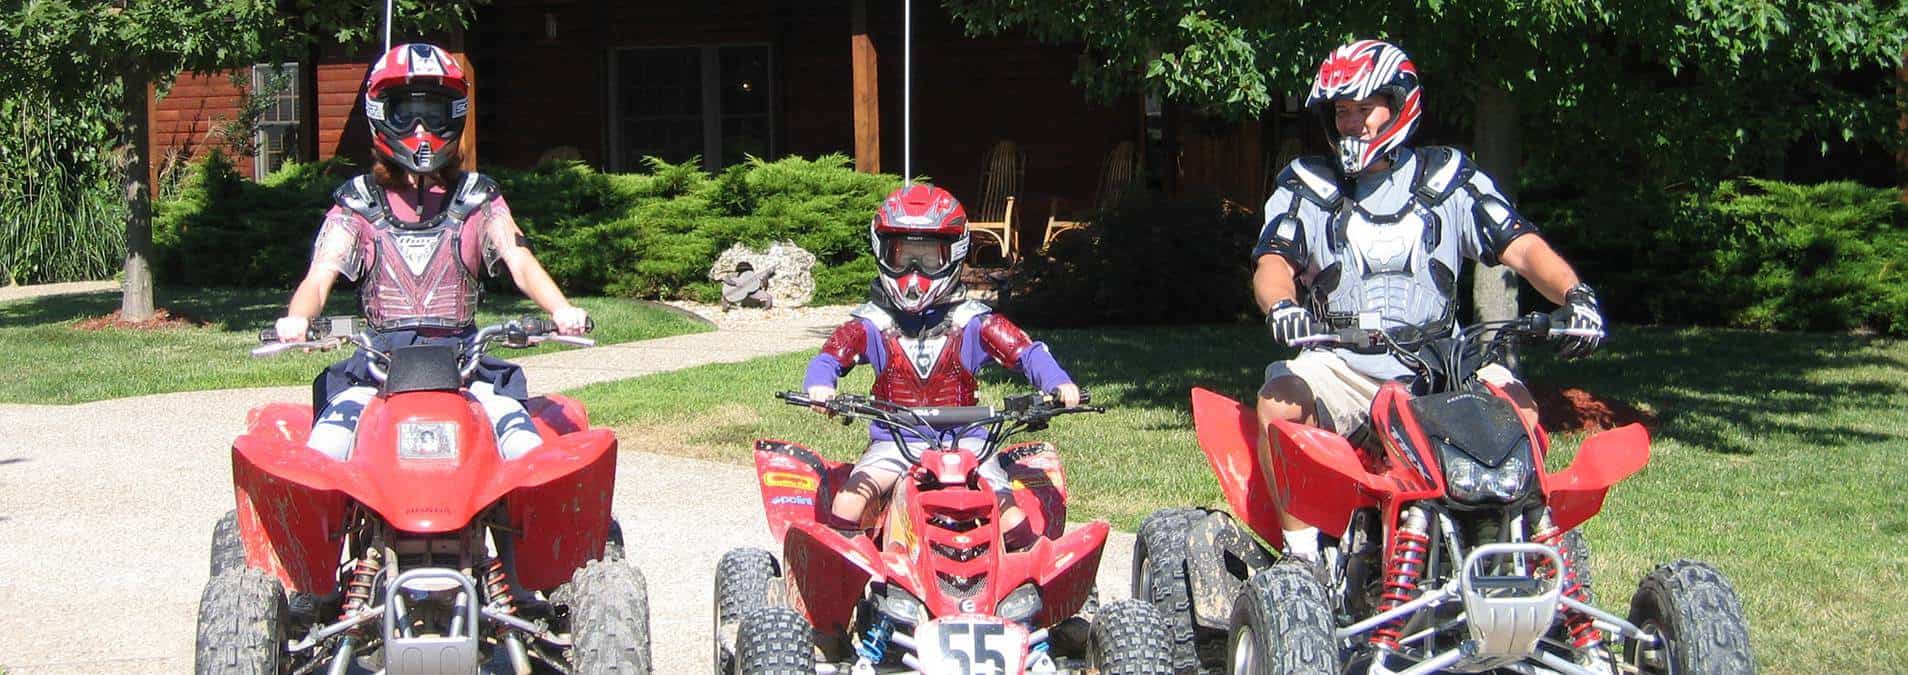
point(1581, 312)
point(1290, 322)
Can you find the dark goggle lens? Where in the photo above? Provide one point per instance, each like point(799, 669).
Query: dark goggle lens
point(925, 254)
point(405, 112)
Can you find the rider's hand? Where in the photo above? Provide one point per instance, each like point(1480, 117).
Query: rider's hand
point(820, 395)
point(1585, 316)
point(293, 328)
point(571, 320)
point(1069, 394)
point(1290, 322)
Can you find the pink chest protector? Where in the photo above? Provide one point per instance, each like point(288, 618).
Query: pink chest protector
point(422, 273)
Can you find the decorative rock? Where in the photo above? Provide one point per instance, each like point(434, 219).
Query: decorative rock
point(793, 284)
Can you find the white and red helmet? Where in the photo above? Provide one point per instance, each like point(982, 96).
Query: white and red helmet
point(415, 98)
point(920, 242)
point(1360, 70)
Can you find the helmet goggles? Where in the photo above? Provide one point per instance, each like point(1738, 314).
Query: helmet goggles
point(406, 109)
point(925, 254)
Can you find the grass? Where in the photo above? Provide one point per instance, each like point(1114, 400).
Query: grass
point(48, 360)
point(1776, 457)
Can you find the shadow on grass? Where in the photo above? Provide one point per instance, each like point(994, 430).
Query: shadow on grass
point(223, 308)
point(1713, 389)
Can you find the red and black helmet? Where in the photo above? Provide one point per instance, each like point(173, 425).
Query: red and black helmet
point(416, 97)
point(1357, 71)
point(920, 242)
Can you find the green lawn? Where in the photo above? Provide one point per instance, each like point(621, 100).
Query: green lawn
point(1777, 457)
point(48, 360)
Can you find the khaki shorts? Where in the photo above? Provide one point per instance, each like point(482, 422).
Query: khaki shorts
point(883, 463)
point(1342, 396)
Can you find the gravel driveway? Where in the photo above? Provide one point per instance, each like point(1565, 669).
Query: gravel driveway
point(106, 512)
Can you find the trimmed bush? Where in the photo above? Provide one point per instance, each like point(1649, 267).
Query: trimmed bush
point(1751, 253)
point(650, 235)
point(1153, 259)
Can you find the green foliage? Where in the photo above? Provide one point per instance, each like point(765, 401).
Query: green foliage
point(1152, 259)
point(1751, 253)
point(648, 235)
point(61, 218)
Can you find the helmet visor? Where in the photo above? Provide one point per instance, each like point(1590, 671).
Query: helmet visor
point(925, 254)
point(406, 109)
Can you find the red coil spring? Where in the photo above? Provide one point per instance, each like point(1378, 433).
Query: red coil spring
point(1403, 568)
point(1583, 630)
point(358, 588)
point(497, 587)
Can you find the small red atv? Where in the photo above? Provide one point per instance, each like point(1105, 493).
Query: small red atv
point(424, 551)
point(1446, 546)
point(932, 590)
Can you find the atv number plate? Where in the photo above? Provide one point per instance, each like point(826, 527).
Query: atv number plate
point(971, 646)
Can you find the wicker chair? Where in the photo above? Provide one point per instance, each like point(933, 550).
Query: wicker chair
point(1116, 173)
point(1006, 166)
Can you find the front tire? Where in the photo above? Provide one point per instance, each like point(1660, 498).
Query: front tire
point(1160, 576)
point(1696, 612)
point(228, 550)
point(775, 641)
point(242, 618)
point(609, 619)
point(1282, 625)
point(1129, 637)
point(746, 580)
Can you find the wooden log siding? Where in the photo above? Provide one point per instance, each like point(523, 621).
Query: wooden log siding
point(184, 122)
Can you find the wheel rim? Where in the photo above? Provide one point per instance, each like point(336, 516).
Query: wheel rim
point(1657, 659)
point(1245, 652)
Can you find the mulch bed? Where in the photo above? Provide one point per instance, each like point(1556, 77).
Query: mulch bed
point(1570, 409)
point(162, 319)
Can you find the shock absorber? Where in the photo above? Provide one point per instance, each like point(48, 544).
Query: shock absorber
point(364, 574)
point(1404, 567)
point(497, 587)
point(874, 645)
point(1583, 630)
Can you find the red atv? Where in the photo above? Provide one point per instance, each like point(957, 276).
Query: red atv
point(932, 590)
point(424, 551)
point(1447, 547)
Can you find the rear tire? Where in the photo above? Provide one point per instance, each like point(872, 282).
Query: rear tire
point(228, 550)
point(1130, 638)
point(775, 641)
point(1696, 612)
point(609, 619)
point(745, 581)
point(1160, 577)
point(1282, 625)
point(242, 621)
point(613, 543)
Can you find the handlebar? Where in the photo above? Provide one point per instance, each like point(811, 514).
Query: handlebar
point(1025, 412)
point(327, 333)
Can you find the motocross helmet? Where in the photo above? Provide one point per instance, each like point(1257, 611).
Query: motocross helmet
point(920, 241)
point(1357, 71)
point(415, 98)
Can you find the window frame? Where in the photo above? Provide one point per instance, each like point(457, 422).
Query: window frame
point(710, 78)
point(270, 121)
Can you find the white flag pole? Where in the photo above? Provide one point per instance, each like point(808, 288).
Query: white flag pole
point(907, 90)
point(387, 25)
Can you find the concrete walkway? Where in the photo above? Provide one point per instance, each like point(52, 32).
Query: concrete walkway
point(106, 511)
point(69, 288)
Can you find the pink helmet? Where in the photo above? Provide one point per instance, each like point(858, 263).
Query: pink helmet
point(920, 242)
point(416, 97)
point(1359, 70)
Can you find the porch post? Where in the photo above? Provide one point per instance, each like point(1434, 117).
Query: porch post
point(867, 92)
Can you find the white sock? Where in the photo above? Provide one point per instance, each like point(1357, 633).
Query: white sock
point(1302, 544)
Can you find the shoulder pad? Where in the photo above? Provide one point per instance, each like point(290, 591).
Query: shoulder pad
point(1441, 171)
point(875, 315)
point(967, 311)
point(359, 196)
point(1314, 179)
point(473, 192)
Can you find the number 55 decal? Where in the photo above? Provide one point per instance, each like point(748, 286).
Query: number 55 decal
point(975, 655)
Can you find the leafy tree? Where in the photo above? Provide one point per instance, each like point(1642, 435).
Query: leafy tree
point(78, 50)
point(1684, 89)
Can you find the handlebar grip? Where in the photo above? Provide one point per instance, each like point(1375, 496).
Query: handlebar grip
point(534, 326)
point(794, 398)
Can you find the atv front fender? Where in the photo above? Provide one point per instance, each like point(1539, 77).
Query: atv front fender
point(1066, 568)
point(798, 486)
point(1228, 435)
point(289, 515)
point(828, 572)
point(1577, 493)
point(561, 505)
point(1039, 486)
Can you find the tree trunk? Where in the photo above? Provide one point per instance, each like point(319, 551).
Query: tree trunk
point(1901, 154)
point(1494, 288)
point(136, 299)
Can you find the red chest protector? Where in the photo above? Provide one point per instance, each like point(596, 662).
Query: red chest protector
point(928, 369)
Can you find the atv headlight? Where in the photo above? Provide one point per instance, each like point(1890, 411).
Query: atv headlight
point(1021, 605)
point(1471, 482)
point(900, 607)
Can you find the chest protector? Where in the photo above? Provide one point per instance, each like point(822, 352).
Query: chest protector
point(1392, 252)
point(421, 274)
point(924, 369)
